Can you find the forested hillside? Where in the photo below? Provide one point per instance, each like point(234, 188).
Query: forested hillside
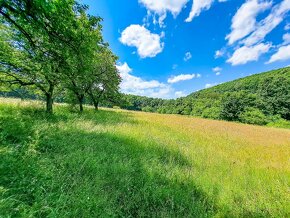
point(258, 99)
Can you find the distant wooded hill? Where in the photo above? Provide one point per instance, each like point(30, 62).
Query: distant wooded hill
point(258, 99)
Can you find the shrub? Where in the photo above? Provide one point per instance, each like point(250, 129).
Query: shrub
point(147, 109)
point(213, 113)
point(253, 116)
point(277, 121)
point(186, 110)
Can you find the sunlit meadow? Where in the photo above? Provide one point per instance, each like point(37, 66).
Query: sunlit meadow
point(115, 163)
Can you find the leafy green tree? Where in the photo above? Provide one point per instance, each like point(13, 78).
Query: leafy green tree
point(275, 96)
point(104, 81)
point(82, 57)
point(233, 104)
point(39, 31)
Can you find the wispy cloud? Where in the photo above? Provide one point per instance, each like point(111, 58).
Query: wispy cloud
point(217, 70)
point(286, 39)
point(208, 85)
point(160, 8)
point(219, 53)
point(249, 34)
point(197, 7)
point(179, 94)
point(246, 54)
point(182, 77)
point(187, 56)
point(266, 25)
point(174, 66)
point(244, 21)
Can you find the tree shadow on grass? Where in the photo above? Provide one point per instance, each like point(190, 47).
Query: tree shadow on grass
point(19, 122)
point(80, 174)
point(110, 175)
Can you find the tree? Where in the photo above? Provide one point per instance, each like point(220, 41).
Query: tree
point(47, 44)
point(104, 81)
point(275, 96)
point(233, 104)
point(86, 43)
point(40, 31)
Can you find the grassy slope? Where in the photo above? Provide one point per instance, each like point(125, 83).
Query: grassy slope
point(119, 163)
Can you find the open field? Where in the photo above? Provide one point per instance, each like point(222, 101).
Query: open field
point(114, 163)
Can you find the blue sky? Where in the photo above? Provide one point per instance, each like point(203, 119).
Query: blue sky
point(170, 48)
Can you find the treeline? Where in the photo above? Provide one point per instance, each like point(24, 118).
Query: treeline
point(55, 49)
point(258, 99)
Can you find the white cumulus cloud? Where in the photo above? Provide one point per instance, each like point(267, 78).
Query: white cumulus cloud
point(245, 54)
point(182, 77)
point(148, 44)
point(123, 69)
point(282, 54)
point(137, 86)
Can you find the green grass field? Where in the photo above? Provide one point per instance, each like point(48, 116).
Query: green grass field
point(114, 163)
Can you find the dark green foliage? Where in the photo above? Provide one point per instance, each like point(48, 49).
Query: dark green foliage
point(233, 104)
point(275, 94)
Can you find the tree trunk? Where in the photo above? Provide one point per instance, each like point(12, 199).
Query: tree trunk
point(49, 102)
point(81, 101)
point(96, 104)
point(95, 100)
point(81, 107)
point(49, 99)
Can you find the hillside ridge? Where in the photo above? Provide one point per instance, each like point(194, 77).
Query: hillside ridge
point(281, 71)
